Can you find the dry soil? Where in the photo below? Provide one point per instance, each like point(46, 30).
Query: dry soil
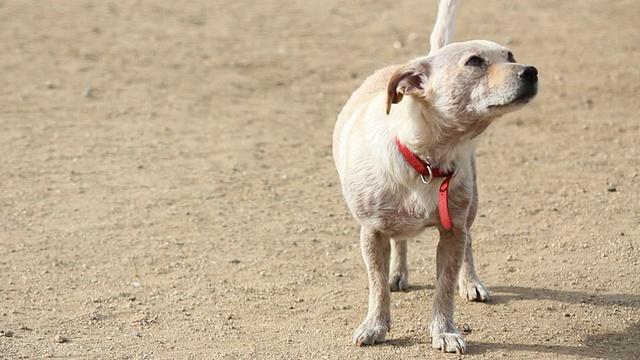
point(167, 188)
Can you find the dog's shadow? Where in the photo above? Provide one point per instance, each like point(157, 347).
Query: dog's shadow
point(611, 345)
point(413, 287)
point(507, 294)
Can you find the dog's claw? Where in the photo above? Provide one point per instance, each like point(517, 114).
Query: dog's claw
point(450, 343)
point(474, 290)
point(370, 333)
point(398, 282)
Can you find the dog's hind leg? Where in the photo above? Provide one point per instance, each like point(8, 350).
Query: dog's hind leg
point(376, 249)
point(469, 284)
point(398, 275)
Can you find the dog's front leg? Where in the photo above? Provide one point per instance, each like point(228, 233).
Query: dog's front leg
point(450, 253)
point(375, 251)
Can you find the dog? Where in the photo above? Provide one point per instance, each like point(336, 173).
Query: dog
point(403, 147)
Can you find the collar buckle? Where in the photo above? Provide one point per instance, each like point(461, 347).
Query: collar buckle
point(422, 177)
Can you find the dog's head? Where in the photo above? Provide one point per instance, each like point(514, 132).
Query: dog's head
point(466, 82)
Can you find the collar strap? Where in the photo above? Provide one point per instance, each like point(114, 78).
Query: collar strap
point(427, 170)
point(421, 166)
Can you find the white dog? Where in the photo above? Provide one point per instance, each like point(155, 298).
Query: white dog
point(404, 149)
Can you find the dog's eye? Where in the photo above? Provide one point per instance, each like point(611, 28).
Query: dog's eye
point(510, 57)
point(475, 61)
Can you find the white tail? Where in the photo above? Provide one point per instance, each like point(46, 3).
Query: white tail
point(443, 29)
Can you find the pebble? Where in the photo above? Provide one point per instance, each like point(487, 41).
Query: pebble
point(466, 329)
point(234, 260)
point(611, 188)
point(60, 339)
point(8, 333)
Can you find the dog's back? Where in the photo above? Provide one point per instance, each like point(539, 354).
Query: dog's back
point(372, 86)
point(377, 82)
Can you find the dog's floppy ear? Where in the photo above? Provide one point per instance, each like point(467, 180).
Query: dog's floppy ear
point(407, 80)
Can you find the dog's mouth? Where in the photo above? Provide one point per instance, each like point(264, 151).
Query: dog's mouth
point(523, 97)
point(527, 93)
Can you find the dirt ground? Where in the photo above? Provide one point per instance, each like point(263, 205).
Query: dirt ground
point(167, 188)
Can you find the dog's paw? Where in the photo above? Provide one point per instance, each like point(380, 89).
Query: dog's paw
point(449, 342)
point(473, 290)
point(371, 332)
point(399, 281)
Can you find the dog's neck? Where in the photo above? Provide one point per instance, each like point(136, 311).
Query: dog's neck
point(442, 143)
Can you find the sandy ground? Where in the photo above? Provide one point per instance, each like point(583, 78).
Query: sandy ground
point(167, 189)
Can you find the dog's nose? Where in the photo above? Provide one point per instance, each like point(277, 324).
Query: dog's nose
point(528, 73)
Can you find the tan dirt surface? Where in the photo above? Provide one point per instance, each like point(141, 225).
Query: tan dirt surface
point(167, 188)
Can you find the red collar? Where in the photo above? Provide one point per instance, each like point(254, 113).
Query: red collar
point(427, 173)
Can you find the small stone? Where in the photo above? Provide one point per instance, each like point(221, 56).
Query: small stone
point(60, 339)
point(8, 333)
point(87, 92)
point(136, 284)
point(466, 329)
point(611, 188)
point(234, 260)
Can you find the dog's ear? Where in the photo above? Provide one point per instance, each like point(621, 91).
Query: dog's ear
point(407, 80)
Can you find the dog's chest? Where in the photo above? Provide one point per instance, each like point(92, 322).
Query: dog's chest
point(415, 210)
point(401, 213)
